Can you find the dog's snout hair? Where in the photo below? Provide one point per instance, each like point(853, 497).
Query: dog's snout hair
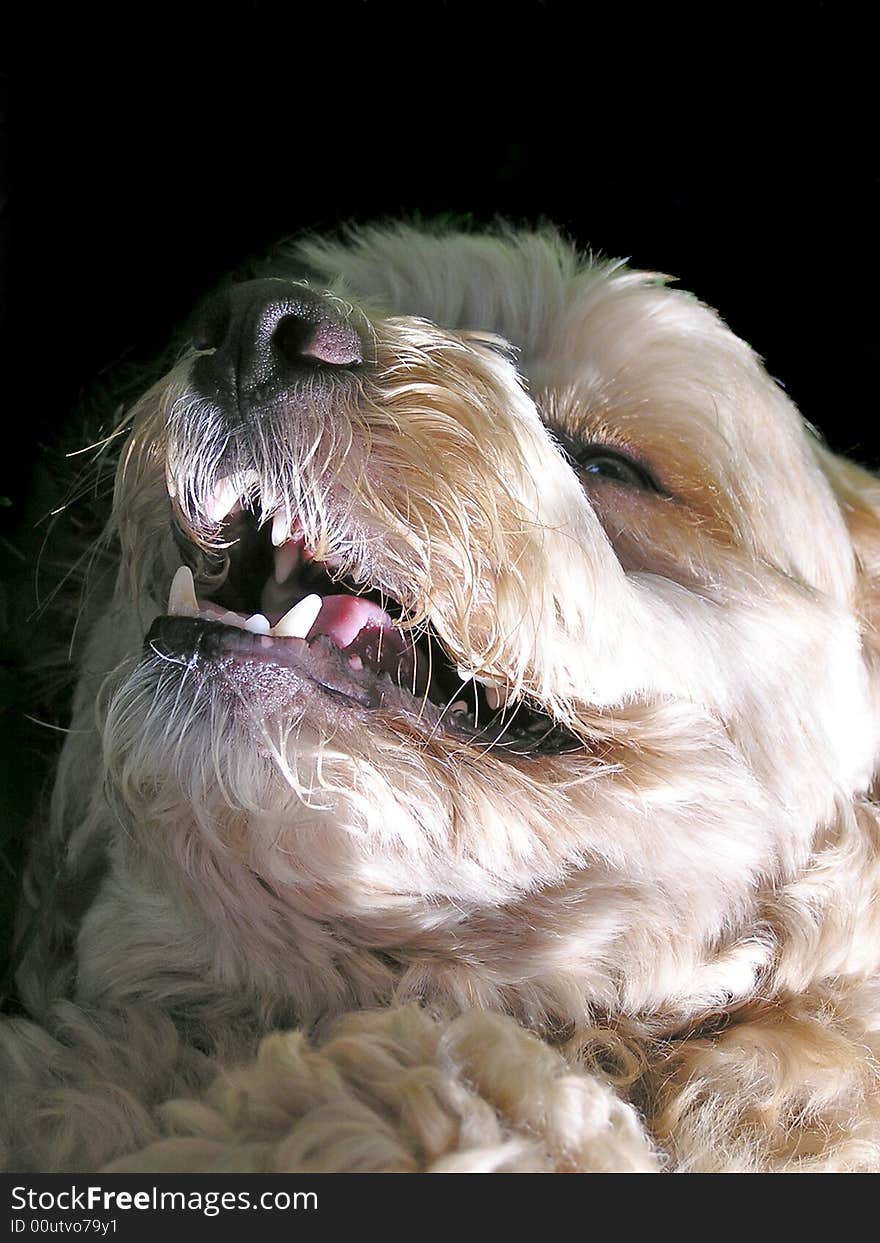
point(490, 686)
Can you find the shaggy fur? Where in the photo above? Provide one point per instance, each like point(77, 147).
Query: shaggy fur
point(654, 946)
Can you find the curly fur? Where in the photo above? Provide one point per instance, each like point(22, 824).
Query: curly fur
point(658, 949)
point(395, 1091)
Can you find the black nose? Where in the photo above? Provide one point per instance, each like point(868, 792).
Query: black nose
point(265, 335)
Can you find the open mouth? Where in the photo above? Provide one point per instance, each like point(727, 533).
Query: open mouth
point(279, 605)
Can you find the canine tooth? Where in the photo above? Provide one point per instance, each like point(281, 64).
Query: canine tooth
point(182, 600)
point(258, 624)
point(495, 695)
point(280, 527)
point(221, 500)
point(494, 698)
point(298, 621)
point(286, 560)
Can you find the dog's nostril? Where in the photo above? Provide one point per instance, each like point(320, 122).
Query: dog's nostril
point(295, 328)
point(257, 340)
point(297, 339)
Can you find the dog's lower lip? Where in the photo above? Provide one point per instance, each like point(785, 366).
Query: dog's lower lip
point(319, 665)
point(361, 673)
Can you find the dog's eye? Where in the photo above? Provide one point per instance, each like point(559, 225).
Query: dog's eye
point(615, 466)
point(595, 461)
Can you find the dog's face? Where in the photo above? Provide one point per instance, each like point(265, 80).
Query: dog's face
point(513, 662)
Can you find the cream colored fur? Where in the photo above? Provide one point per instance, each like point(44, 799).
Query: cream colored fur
point(659, 951)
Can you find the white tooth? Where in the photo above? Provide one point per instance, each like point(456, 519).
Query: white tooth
point(298, 621)
point(280, 527)
point(493, 697)
point(182, 600)
point(286, 560)
point(464, 675)
point(221, 500)
point(258, 624)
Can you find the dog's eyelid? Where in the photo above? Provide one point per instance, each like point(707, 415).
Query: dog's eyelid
point(623, 464)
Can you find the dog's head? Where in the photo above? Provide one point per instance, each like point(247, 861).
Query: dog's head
point(494, 603)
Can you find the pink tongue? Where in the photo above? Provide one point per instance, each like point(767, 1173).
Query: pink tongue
point(342, 618)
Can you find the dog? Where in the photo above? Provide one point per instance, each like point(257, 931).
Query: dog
point(472, 765)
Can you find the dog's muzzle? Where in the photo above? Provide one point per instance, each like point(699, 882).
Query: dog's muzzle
point(261, 339)
point(279, 372)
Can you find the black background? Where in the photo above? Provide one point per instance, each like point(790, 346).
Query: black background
point(156, 147)
point(161, 147)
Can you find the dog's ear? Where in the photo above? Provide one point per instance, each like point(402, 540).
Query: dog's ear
point(858, 494)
